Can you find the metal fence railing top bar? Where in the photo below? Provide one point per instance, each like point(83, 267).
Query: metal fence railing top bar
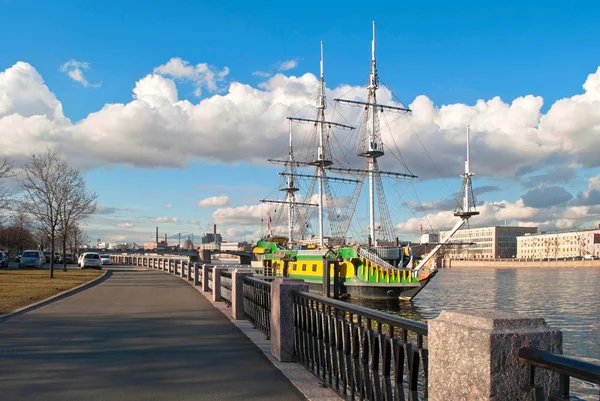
point(565, 366)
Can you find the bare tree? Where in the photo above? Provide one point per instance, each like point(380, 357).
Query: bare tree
point(23, 227)
point(77, 238)
point(6, 171)
point(77, 204)
point(42, 184)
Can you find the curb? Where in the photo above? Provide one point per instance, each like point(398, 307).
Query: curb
point(57, 297)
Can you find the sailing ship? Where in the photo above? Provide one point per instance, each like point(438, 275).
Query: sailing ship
point(381, 268)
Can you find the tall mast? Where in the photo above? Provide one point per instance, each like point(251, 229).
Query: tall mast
point(321, 151)
point(321, 162)
point(291, 190)
point(371, 148)
point(372, 153)
point(465, 204)
point(468, 167)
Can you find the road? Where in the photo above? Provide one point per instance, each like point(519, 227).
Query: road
point(140, 335)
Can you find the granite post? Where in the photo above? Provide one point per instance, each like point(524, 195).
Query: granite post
point(474, 355)
point(196, 271)
point(216, 294)
point(206, 268)
point(237, 293)
point(282, 317)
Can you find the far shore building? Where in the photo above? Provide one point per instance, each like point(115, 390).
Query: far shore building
point(497, 242)
point(580, 243)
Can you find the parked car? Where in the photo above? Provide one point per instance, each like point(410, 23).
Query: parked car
point(80, 259)
point(18, 256)
point(106, 259)
point(32, 259)
point(3, 259)
point(69, 258)
point(91, 259)
point(57, 257)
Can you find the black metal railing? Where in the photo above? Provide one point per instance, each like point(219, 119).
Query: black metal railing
point(359, 352)
point(565, 366)
point(257, 303)
point(226, 287)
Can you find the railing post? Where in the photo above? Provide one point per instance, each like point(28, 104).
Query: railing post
point(237, 293)
point(474, 355)
point(216, 294)
point(282, 317)
point(205, 269)
point(181, 269)
point(196, 271)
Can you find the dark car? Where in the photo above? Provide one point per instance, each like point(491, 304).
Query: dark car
point(18, 257)
point(69, 258)
point(56, 257)
point(3, 259)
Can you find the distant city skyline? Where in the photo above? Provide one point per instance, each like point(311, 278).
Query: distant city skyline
point(172, 111)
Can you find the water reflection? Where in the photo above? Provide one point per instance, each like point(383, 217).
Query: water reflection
point(568, 299)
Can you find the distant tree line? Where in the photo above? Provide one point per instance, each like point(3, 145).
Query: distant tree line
point(48, 210)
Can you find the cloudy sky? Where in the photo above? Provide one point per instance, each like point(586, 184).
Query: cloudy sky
point(172, 108)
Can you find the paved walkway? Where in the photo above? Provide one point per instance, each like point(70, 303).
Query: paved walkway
point(140, 335)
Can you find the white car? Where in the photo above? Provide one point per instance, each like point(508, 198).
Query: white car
point(32, 259)
point(106, 259)
point(91, 259)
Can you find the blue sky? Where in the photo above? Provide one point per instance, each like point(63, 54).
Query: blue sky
point(452, 53)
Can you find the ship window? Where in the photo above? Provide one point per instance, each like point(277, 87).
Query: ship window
point(314, 267)
point(293, 266)
point(303, 267)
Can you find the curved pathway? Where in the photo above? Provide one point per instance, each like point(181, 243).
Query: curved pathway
point(140, 335)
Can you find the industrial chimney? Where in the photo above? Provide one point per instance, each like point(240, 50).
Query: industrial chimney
point(214, 228)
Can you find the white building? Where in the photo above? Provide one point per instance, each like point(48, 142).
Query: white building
point(431, 238)
point(498, 242)
point(559, 245)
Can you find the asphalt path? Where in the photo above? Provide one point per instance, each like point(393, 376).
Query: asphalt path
point(140, 335)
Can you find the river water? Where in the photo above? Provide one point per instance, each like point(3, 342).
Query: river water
point(568, 299)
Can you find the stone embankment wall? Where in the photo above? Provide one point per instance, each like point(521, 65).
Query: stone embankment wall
point(520, 263)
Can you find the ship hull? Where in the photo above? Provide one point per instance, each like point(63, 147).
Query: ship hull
point(371, 291)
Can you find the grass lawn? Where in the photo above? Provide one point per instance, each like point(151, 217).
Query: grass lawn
point(22, 287)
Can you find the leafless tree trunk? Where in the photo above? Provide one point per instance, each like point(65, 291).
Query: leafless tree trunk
point(42, 184)
point(77, 204)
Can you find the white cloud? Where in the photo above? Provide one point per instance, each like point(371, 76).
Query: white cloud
point(165, 219)
point(261, 74)
point(241, 215)
point(126, 224)
point(168, 206)
point(288, 65)
point(74, 70)
point(222, 200)
point(201, 75)
point(156, 129)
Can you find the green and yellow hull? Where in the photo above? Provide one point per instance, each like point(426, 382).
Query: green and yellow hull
point(358, 277)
